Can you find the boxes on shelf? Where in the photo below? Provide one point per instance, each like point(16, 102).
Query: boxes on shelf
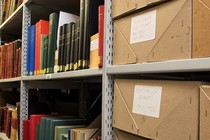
point(157, 109)
point(123, 7)
point(155, 35)
point(204, 109)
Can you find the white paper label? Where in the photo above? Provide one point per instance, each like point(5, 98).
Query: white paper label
point(143, 27)
point(147, 100)
point(94, 44)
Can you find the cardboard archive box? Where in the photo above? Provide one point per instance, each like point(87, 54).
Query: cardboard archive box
point(121, 135)
point(122, 7)
point(160, 110)
point(177, 29)
point(204, 113)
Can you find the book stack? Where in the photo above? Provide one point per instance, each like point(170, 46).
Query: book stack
point(9, 121)
point(10, 60)
point(64, 43)
point(8, 7)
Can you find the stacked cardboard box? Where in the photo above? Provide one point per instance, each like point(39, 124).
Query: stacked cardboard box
point(157, 109)
point(160, 30)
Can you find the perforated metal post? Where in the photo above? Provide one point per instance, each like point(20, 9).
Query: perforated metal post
point(107, 89)
point(24, 88)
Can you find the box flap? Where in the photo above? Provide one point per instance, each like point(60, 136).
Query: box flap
point(201, 26)
point(175, 42)
point(122, 111)
point(121, 135)
point(204, 112)
point(122, 6)
point(123, 48)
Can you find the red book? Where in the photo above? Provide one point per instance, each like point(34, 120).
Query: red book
point(26, 127)
point(100, 34)
point(35, 119)
point(3, 61)
point(42, 28)
point(1, 64)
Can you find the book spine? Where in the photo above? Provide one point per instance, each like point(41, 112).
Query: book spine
point(45, 53)
point(60, 47)
point(52, 41)
point(26, 128)
point(86, 40)
point(81, 34)
point(68, 46)
point(28, 51)
point(37, 48)
point(73, 54)
point(32, 49)
point(1, 64)
point(63, 57)
point(76, 46)
point(101, 34)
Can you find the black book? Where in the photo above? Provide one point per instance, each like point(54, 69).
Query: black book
point(63, 49)
point(68, 45)
point(73, 41)
point(76, 47)
point(90, 27)
point(81, 33)
point(60, 47)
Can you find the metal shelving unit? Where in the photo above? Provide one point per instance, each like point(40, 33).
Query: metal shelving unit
point(65, 75)
point(188, 65)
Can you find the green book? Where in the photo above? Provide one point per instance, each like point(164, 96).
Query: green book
point(52, 45)
point(43, 38)
point(64, 137)
point(38, 132)
point(45, 125)
point(62, 122)
point(45, 52)
point(64, 130)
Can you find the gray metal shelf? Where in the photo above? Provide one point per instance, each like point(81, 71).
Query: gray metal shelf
point(16, 79)
point(13, 24)
point(72, 6)
point(188, 65)
point(65, 75)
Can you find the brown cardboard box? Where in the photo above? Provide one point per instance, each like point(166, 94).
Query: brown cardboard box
point(163, 110)
point(204, 113)
point(121, 7)
point(201, 28)
point(121, 135)
point(156, 35)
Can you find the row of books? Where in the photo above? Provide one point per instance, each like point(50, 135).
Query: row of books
point(64, 43)
point(8, 7)
point(58, 127)
point(9, 121)
point(10, 60)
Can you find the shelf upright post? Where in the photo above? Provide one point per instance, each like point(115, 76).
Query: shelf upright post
point(107, 87)
point(24, 87)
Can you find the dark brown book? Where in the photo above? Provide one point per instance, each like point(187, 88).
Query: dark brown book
point(3, 61)
point(19, 62)
point(8, 121)
point(1, 119)
point(5, 119)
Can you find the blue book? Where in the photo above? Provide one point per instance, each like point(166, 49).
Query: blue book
point(32, 49)
point(28, 51)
